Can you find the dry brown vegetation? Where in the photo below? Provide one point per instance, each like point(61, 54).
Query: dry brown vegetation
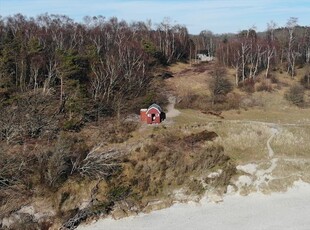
point(68, 154)
point(120, 170)
point(245, 129)
point(171, 160)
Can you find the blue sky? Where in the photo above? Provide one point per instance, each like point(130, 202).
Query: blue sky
point(219, 16)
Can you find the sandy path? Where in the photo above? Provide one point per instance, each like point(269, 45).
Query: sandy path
point(259, 177)
point(172, 112)
point(270, 150)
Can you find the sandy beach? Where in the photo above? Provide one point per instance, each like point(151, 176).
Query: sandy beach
point(277, 211)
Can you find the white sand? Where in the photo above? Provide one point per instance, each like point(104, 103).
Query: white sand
point(278, 211)
point(171, 111)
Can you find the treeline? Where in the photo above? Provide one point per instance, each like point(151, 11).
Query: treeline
point(102, 67)
point(250, 52)
point(106, 61)
point(98, 67)
point(113, 59)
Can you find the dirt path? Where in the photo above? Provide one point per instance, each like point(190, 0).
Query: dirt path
point(259, 177)
point(270, 150)
point(172, 112)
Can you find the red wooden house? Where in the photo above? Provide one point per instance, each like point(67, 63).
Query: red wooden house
point(153, 115)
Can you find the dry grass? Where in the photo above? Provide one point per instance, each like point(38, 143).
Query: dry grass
point(244, 142)
point(171, 160)
point(185, 76)
point(162, 159)
point(293, 141)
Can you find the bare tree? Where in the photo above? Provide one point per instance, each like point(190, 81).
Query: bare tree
point(219, 85)
point(291, 53)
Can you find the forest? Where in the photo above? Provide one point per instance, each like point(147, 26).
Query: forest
point(58, 76)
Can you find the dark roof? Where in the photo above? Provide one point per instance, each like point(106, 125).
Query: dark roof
point(155, 106)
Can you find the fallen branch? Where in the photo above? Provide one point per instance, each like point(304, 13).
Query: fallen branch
point(217, 114)
point(100, 164)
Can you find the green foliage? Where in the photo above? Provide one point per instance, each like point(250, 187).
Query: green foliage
point(7, 67)
point(77, 99)
point(158, 57)
point(68, 62)
point(34, 46)
point(64, 197)
point(72, 124)
point(149, 47)
point(118, 193)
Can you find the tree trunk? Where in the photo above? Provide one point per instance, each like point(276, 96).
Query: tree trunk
point(267, 68)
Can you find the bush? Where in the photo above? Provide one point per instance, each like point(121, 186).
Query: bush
point(72, 125)
point(118, 193)
point(295, 95)
point(200, 137)
point(247, 85)
point(193, 101)
point(233, 100)
point(273, 79)
point(196, 187)
point(305, 81)
point(219, 85)
point(264, 86)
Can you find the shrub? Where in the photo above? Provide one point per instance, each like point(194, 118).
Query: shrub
point(264, 86)
point(233, 100)
point(219, 85)
point(193, 101)
point(72, 125)
point(295, 95)
point(196, 187)
point(250, 101)
point(247, 85)
point(305, 81)
point(187, 101)
point(58, 169)
point(273, 78)
point(200, 137)
point(118, 193)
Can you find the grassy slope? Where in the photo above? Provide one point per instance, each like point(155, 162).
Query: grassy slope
point(244, 132)
point(175, 170)
point(162, 166)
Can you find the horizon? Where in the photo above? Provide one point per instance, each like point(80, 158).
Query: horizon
point(219, 17)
